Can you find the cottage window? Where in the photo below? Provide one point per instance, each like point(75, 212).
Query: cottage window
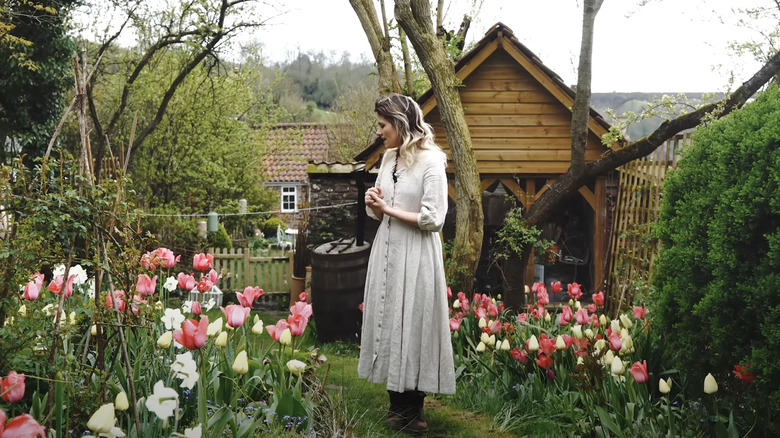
point(289, 199)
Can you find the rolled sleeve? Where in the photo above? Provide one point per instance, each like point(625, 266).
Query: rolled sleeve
point(433, 210)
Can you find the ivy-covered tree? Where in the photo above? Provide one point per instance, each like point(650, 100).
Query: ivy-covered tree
point(35, 73)
point(717, 303)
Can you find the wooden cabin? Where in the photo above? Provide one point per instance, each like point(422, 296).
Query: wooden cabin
point(519, 115)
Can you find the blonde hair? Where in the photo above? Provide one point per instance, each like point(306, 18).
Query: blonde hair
point(407, 118)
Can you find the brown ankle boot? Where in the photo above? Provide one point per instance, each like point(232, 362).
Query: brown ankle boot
point(410, 413)
point(395, 419)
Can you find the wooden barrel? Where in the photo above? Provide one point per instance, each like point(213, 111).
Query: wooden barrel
point(338, 277)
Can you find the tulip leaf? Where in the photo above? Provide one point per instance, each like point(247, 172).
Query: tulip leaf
point(220, 418)
point(608, 422)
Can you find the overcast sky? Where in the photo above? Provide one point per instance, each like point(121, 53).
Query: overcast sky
point(665, 46)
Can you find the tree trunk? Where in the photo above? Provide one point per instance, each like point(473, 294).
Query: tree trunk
point(414, 16)
point(380, 46)
point(408, 73)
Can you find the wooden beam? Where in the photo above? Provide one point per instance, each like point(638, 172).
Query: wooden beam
point(600, 242)
point(530, 189)
point(589, 196)
point(516, 190)
point(451, 191)
point(550, 182)
point(486, 183)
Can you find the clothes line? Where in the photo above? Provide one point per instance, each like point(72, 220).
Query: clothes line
point(182, 215)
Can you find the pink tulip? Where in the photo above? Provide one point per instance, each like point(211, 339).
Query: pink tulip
point(614, 341)
point(56, 285)
point(214, 276)
point(492, 310)
point(204, 285)
point(495, 326)
point(598, 298)
point(202, 262)
point(192, 334)
point(449, 292)
point(12, 387)
point(195, 308)
point(582, 316)
point(639, 372)
point(33, 288)
point(297, 324)
point(303, 296)
point(302, 308)
point(166, 257)
point(592, 308)
point(249, 295)
point(150, 260)
point(575, 291)
point(119, 296)
point(454, 324)
point(186, 281)
point(145, 285)
point(566, 316)
point(519, 355)
point(276, 330)
point(235, 315)
point(542, 296)
point(21, 426)
point(556, 287)
point(639, 312)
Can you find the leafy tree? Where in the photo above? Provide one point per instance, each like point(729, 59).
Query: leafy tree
point(716, 301)
point(35, 72)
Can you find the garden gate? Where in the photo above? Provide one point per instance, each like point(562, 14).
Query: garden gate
point(632, 247)
point(241, 268)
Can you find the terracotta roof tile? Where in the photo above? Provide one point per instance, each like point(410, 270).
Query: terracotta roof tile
point(292, 146)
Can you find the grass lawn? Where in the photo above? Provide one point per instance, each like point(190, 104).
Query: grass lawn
point(366, 403)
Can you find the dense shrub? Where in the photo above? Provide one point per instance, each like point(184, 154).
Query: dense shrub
point(270, 225)
point(219, 238)
point(717, 301)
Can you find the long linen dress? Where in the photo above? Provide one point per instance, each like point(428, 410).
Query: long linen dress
point(405, 338)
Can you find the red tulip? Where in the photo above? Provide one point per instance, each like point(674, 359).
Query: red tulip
point(544, 361)
point(519, 355)
point(575, 291)
point(12, 387)
point(56, 285)
point(21, 426)
point(449, 292)
point(204, 285)
point(546, 344)
point(492, 310)
point(195, 308)
point(598, 298)
point(639, 371)
point(235, 315)
point(743, 373)
point(481, 313)
point(186, 281)
point(556, 287)
point(302, 308)
point(192, 334)
point(145, 285)
point(303, 296)
point(276, 330)
point(297, 324)
point(202, 262)
point(639, 312)
point(249, 295)
point(454, 324)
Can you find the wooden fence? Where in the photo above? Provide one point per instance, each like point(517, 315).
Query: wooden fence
point(269, 270)
point(632, 247)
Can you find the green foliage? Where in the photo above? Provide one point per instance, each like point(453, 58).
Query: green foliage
point(35, 73)
point(219, 238)
point(719, 267)
point(515, 236)
point(175, 233)
point(270, 225)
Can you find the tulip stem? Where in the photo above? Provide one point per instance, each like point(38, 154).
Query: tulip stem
point(202, 394)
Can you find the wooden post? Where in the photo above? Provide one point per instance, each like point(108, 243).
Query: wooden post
point(246, 279)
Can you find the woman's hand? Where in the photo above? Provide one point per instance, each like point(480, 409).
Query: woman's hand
point(375, 201)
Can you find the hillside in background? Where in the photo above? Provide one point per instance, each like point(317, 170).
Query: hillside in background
point(622, 103)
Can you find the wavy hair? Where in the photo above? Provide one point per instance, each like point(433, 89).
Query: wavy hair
point(407, 118)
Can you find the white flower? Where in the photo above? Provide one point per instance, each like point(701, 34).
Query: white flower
point(77, 270)
point(172, 319)
point(286, 337)
point(710, 385)
point(164, 341)
point(170, 284)
point(185, 368)
point(258, 327)
point(208, 305)
point(241, 364)
point(221, 340)
point(121, 401)
point(480, 347)
point(505, 345)
point(193, 432)
point(22, 310)
point(186, 306)
point(103, 419)
point(215, 327)
point(163, 402)
point(296, 367)
point(617, 367)
point(91, 291)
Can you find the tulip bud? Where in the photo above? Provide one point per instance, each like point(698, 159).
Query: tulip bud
point(164, 341)
point(505, 345)
point(241, 365)
point(608, 358)
point(221, 340)
point(296, 367)
point(456, 304)
point(527, 290)
point(589, 333)
point(603, 320)
point(256, 320)
point(580, 360)
point(215, 327)
point(577, 305)
point(665, 386)
point(547, 317)
point(93, 330)
point(710, 385)
point(102, 421)
point(498, 297)
point(571, 302)
point(482, 323)
point(617, 367)
point(533, 343)
point(626, 321)
point(72, 318)
point(22, 310)
point(258, 327)
point(577, 331)
point(484, 338)
point(615, 326)
point(121, 401)
point(286, 337)
point(480, 347)
point(491, 340)
point(599, 345)
point(560, 344)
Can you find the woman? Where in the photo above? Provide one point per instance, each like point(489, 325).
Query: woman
point(406, 340)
